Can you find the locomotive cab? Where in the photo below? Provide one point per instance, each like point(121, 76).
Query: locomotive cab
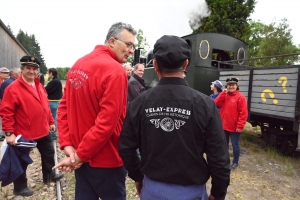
point(207, 50)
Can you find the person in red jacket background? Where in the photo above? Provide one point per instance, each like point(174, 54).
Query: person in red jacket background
point(25, 111)
point(234, 113)
point(91, 115)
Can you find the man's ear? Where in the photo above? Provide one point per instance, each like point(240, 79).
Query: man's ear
point(111, 42)
point(185, 64)
point(155, 66)
point(157, 69)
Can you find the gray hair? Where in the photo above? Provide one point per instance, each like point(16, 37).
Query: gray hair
point(117, 28)
point(13, 71)
point(126, 64)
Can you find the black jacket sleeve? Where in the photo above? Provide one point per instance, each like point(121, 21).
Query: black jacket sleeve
point(134, 89)
point(217, 156)
point(42, 79)
point(128, 144)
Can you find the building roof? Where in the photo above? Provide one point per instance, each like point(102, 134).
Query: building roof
point(12, 36)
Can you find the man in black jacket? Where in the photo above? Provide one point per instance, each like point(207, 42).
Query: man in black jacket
point(54, 90)
point(173, 125)
point(136, 84)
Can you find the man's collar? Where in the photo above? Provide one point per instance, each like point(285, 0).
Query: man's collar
point(172, 80)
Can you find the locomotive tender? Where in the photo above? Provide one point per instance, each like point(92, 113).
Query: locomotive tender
point(272, 92)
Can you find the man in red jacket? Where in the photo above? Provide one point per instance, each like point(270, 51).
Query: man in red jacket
point(91, 115)
point(25, 111)
point(234, 113)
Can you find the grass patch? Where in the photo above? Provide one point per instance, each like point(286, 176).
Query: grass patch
point(289, 166)
point(288, 169)
point(260, 161)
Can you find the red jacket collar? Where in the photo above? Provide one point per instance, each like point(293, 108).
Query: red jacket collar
point(36, 80)
point(107, 50)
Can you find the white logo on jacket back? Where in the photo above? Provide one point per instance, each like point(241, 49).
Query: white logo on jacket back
point(77, 78)
point(168, 123)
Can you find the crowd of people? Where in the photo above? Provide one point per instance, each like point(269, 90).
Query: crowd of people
point(169, 139)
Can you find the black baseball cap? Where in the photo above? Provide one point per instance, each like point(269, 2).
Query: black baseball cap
point(171, 51)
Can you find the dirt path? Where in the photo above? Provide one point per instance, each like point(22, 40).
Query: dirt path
point(258, 177)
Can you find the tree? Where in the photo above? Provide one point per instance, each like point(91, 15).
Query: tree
point(230, 17)
point(255, 37)
point(10, 30)
point(62, 72)
point(32, 46)
point(272, 39)
point(141, 44)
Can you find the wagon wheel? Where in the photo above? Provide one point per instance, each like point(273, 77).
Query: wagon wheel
point(266, 137)
point(288, 144)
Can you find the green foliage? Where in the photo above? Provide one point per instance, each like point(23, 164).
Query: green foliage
point(62, 72)
point(142, 44)
point(9, 28)
point(269, 40)
point(32, 46)
point(228, 17)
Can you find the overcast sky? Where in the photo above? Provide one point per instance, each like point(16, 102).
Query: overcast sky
point(68, 29)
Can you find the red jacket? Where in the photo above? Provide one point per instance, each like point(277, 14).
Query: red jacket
point(233, 112)
point(25, 113)
point(93, 108)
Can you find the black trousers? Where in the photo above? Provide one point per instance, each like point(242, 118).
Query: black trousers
point(106, 183)
point(45, 147)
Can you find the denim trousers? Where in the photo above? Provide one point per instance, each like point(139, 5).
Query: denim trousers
point(235, 141)
point(93, 183)
point(53, 106)
point(165, 191)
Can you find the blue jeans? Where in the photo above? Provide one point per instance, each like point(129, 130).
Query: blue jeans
point(53, 106)
point(165, 191)
point(106, 183)
point(235, 141)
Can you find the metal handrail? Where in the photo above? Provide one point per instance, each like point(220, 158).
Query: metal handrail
point(58, 189)
point(252, 59)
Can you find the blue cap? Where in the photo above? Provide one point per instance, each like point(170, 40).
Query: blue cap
point(218, 84)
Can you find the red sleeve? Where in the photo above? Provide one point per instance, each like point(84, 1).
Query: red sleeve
point(112, 106)
point(219, 101)
point(51, 120)
point(242, 112)
point(8, 110)
point(62, 123)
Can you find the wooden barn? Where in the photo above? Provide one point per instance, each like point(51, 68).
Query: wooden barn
point(11, 49)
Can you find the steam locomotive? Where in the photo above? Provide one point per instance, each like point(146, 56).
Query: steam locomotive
point(272, 92)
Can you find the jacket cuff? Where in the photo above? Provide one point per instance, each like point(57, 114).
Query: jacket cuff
point(217, 193)
point(62, 146)
point(137, 176)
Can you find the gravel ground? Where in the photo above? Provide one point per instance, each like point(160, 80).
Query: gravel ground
point(258, 177)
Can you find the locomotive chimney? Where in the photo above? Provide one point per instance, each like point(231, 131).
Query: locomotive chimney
point(136, 56)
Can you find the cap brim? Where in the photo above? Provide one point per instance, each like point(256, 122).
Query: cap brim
point(30, 63)
point(232, 82)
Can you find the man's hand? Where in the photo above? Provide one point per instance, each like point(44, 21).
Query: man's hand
point(11, 139)
point(70, 152)
point(52, 128)
point(239, 130)
point(210, 197)
point(67, 165)
point(138, 186)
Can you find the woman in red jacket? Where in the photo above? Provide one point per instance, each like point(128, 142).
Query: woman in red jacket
point(234, 113)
